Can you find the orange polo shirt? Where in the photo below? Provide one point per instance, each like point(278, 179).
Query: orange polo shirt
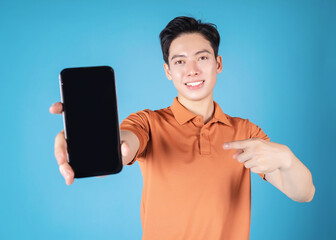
point(192, 187)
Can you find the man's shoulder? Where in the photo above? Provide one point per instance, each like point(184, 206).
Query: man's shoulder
point(153, 114)
point(160, 115)
point(245, 125)
point(236, 120)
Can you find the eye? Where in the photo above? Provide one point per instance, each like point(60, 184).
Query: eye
point(203, 58)
point(179, 62)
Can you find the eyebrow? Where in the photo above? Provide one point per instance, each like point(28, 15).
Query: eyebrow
point(199, 52)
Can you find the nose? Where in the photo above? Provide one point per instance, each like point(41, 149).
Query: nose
point(192, 69)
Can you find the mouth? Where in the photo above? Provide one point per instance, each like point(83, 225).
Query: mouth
point(195, 84)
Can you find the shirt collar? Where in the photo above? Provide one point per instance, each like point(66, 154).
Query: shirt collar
point(183, 115)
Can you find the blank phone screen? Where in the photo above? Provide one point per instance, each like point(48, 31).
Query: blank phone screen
point(91, 120)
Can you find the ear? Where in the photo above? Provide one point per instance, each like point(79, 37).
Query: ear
point(219, 64)
point(167, 71)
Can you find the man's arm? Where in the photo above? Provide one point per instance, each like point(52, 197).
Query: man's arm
point(129, 145)
point(294, 179)
point(280, 166)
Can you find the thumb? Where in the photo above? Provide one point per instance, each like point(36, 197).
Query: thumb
point(124, 149)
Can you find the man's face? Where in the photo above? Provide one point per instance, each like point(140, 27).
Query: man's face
point(193, 66)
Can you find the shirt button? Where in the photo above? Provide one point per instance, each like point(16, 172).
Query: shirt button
point(203, 134)
point(197, 120)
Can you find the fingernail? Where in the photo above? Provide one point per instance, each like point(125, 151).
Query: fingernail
point(226, 145)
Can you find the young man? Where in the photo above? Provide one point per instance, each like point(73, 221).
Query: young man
point(195, 159)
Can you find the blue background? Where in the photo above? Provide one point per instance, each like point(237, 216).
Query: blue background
point(279, 72)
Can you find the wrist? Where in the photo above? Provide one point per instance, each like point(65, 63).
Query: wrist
point(287, 160)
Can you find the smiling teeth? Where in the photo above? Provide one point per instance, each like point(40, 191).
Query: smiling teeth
point(194, 83)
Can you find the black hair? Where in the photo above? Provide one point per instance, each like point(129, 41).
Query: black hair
point(183, 24)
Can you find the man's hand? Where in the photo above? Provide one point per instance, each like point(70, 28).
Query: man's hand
point(261, 156)
point(61, 149)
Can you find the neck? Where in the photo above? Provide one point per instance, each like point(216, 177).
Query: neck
point(203, 107)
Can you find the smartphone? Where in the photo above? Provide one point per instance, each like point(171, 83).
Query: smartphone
point(90, 117)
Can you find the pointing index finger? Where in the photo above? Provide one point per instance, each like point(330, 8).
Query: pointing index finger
point(241, 144)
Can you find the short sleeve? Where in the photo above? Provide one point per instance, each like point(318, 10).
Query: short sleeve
point(256, 132)
point(138, 123)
